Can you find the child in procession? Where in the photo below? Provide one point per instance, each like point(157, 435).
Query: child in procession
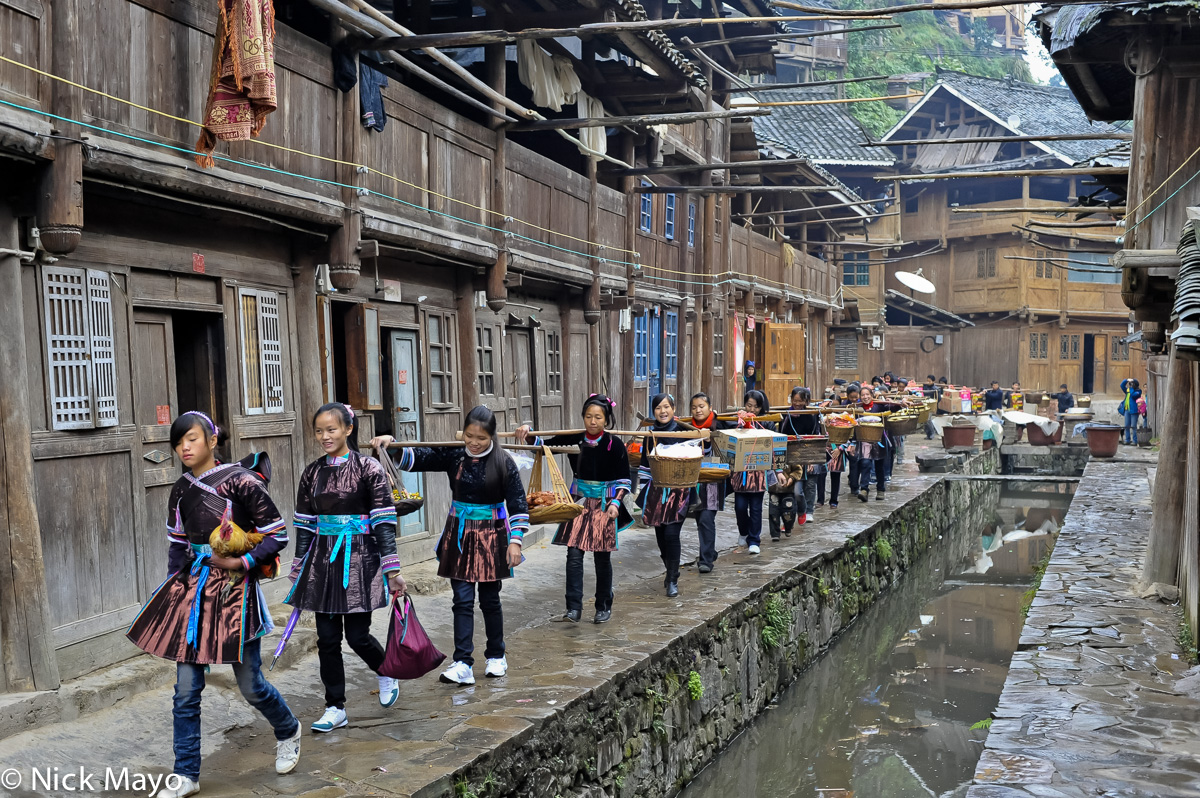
point(709, 496)
point(211, 610)
point(663, 508)
point(749, 486)
point(805, 485)
point(345, 523)
point(481, 542)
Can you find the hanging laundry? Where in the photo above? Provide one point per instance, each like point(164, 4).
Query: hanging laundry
point(345, 70)
point(370, 97)
point(551, 78)
point(594, 138)
point(241, 92)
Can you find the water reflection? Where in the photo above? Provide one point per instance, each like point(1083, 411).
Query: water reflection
point(888, 711)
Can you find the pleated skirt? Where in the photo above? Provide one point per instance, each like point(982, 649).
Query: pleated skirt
point(480, 555)
point(319, 585)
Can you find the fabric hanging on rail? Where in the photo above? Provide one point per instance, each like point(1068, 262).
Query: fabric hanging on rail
point(594, 138)
point(370, 97)
point(551, 78)
point(241, 92)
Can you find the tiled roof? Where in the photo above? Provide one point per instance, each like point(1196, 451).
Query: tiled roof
point(1033, 109)
point(825, 134)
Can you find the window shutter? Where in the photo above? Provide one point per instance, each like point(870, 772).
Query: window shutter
point(67, 345)
point(845, 351)
point(103, 346)
point(270, 351)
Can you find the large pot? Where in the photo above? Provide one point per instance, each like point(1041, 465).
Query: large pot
point(1103, 439)
point(1039, 438)
point(953, 437)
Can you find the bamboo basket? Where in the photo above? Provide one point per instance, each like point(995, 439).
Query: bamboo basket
point(406, 503)
point(840, 435)
point(564, 507)
point(674, 472)
point(710, 473)
point(870, 433)
point(925, 412)
point(806, 450)
point(906, 425)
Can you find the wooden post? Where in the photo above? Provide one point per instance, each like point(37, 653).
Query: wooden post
point(632, 215)
point(308, 345)
point(497, 290)
point(26, 628)
point(1170, 485)
point(464, 303)
point(344, 262)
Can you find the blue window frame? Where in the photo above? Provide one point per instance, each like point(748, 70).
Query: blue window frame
point(647, 216)
point(856, 268)
point(669, 226)
point(691, 224)
point(641, 359)
point(671, 346)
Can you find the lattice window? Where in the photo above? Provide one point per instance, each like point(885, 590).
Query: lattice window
point(641, 339)
point(439, 362)
point(1037, 345)
point(1033, 345)
point(718, 343)
point(485, 358)
point(1064, 347)
point(691, 224)
point(669, 218)
point(80, 348)
point(985, 262)
point(671, 346)
point(262, 352)
point(856, 268)
point(1120, 351)
point(647, 213)
point(1075, 347)
point(554, 365)
point(1043, 346)
point(845, 351)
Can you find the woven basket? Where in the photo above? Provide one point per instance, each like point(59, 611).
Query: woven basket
point(806, 450)
point(710, 473)
point(674, 472)
point(405, 503)
point(839, 435)
point(564, 507)
point(925, 411)
point(870, 433)
point(906, 425)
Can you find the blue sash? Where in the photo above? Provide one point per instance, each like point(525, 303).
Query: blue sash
point(201, 570)
point(476, 512)
point(344, 528)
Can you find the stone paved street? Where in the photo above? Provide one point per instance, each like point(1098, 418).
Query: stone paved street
point(436, 729)
point(1097, 701)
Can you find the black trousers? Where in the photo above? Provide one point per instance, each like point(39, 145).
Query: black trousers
point(604, 579)
point(464, 619)
point(668, 548)
point(706, 526)
point(835, 484)
point(357, 629)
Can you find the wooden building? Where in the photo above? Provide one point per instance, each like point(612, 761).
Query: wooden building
point(1139, 63)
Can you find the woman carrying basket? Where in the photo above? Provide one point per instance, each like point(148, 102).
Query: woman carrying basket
point(602, 480)
point(481, 542)
point(345, 550)
point(802, 424)
point(663, 508)
point(709, 496)
point(749, 486)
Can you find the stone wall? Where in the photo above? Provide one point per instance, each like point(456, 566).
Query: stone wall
point(1066, 460)
point(647, 731)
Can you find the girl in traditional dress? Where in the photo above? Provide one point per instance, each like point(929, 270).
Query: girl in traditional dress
point(602, 480)
point(709, 496)
point(663, 508)
point(481, 542)
point(345, 549)
point(749, 486)
point(211, 611)
point(805, 488)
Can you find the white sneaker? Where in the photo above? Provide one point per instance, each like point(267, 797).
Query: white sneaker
point(287, 752)
point(753, 549)
point(741, 540)
point(496, 667)
point(389, 691)
point(458, 673)
point(334, 718)
point(182, 786)
point(808, 518)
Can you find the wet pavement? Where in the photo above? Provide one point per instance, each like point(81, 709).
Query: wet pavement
point(1098, 700)
point(436, 729)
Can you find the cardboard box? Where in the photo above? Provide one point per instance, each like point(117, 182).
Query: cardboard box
point(954, 403)
point(750, 449)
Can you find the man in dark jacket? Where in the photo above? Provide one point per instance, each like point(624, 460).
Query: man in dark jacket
point(993, 399)
point(1064, 398)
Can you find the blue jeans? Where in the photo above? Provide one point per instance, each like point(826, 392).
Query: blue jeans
point(464, 619)
point(748, 508)
point(805, 491)
point(189, 684)
point(1131, 419)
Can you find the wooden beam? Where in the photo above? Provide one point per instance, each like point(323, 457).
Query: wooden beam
point(962, 5)
point(731, 190)
point(842, 101)
point(638, 120)
point(1115, 210)
point(1064, 172)
point(987, 139)
point(778, 37)
point(814, 208)
point(1112, 224)
point(735, 166)
point(475, 38)
point(757, 87)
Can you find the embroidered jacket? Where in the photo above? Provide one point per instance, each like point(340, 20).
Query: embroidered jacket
point(350, 485)
point(469, 480)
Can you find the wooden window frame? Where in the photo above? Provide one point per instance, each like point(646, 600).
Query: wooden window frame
point(269, 360)
point(1120, 351)
point(985, 263)
point(718, 344)
point(487, 376)
point(448, 348)
point(669, 218)
point(364, 364)
point(554, 364)
point(691, 232)
point(641, 348)
point(83, 354)
point(646, 212)
point(671, 346)
point(856, 266)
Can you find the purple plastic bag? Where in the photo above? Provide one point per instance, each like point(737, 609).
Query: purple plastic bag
point(410, 653)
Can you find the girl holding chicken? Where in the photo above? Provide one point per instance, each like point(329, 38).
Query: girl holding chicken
point(224, 532)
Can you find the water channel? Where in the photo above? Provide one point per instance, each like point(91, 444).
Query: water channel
point(888, 711)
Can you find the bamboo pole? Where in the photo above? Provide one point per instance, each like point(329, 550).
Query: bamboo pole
point(510, 446)
point(757, 87)
point(1116, 209)
point(693, 435)
point(815, 208)
point(1079, 236)
point(843, 101)
point(1114, 224)
point(953, 6)
point(1064, 172)
point(733, 166)
point(1001, 139)
point(637, 120)
point(779, 37)
point(732, 190)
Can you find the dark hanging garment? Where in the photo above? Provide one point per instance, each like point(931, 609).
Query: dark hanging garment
point(370, 96)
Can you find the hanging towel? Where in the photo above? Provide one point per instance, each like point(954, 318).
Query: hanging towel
point(370, 97)
point(552, 79)
point(594, 138)
point(242, 90)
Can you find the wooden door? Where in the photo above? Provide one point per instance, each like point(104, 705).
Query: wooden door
point(406, 415)
point(156, 404)
point(782, 364)
point(521, 379)
point(1100, 369)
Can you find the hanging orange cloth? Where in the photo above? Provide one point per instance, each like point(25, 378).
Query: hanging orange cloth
point(242, 90)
